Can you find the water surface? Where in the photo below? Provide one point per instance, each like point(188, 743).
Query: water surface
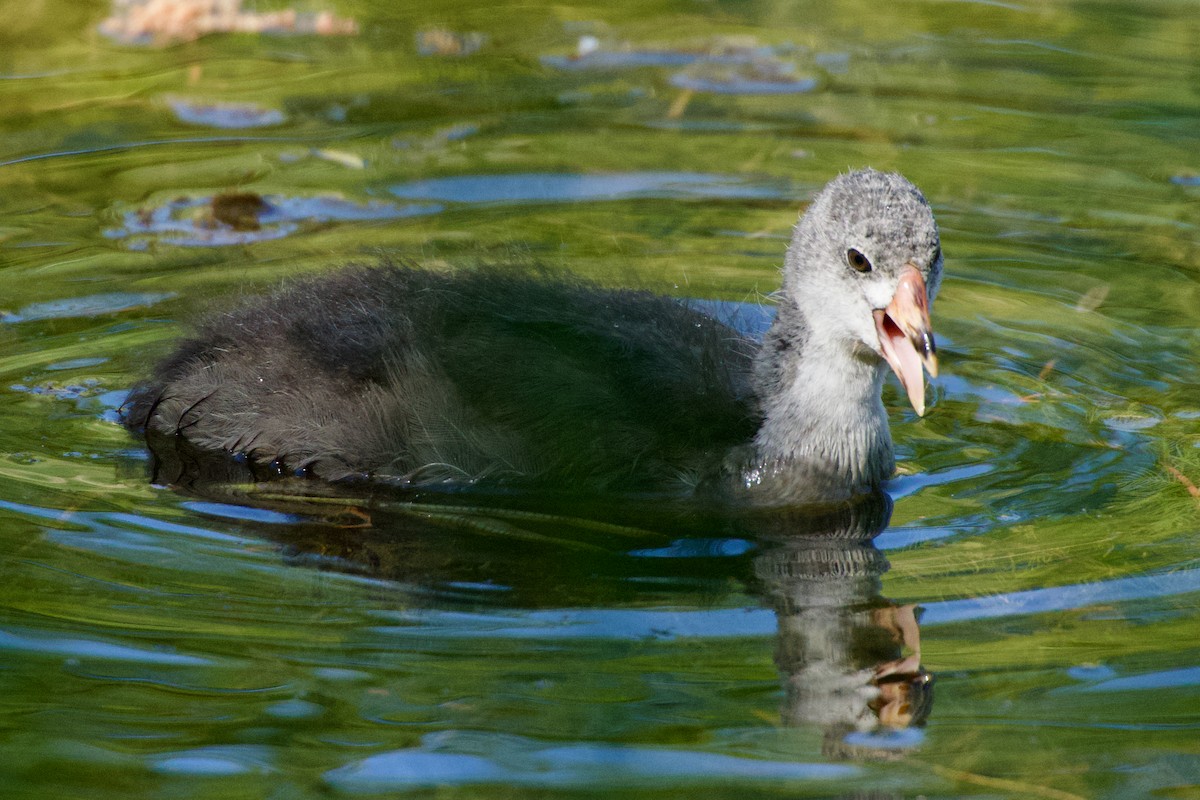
point(1042, 545)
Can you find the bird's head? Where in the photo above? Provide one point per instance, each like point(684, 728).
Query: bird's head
point(864, 267)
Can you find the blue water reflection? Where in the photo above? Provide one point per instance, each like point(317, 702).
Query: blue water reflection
point(569, 188)
point(529, 763)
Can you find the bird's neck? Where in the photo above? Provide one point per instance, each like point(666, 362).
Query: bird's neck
point(824, 434)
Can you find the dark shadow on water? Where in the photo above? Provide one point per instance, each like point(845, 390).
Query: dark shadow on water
point(848, 658)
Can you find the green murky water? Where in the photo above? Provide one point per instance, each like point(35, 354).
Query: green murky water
point(160, 644)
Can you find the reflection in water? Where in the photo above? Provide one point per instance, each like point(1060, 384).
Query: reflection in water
point(849, 659)
point(240, 218)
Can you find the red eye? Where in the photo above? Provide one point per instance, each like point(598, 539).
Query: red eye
point(857, 260)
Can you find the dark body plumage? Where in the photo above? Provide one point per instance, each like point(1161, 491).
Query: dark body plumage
point(423, 377)
point(511, 378)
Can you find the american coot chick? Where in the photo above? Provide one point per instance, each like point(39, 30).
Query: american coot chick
point(498, 376)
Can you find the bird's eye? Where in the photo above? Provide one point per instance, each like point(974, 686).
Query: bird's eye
point(857, 260)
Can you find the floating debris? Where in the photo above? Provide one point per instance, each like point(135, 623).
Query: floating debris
point(1188, 484)
point(680, 104)
point(245, 217)
point(239, 210)
point(443, 42)
point(348, 160)
point(225, 115)
point(1093, 298)
point(168, 21)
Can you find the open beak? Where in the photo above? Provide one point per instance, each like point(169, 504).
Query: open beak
point(906, 335)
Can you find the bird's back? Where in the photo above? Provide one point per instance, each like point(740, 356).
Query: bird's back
point(490, 374)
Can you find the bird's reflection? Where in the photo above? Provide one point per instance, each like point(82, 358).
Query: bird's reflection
point(849, 659)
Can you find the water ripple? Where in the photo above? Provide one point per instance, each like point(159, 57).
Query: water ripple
point(550, 187)
point(528, 763)
point(92, 648)
point(666, 624)
point(92, 305)
point(1166, 679)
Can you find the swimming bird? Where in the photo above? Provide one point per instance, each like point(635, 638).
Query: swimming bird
point(509, 377)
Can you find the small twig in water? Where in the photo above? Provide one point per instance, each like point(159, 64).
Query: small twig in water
point(680, 104)
point(1020, 787)
point(1192, 489)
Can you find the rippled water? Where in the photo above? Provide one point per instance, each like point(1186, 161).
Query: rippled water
point(1025, 624)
